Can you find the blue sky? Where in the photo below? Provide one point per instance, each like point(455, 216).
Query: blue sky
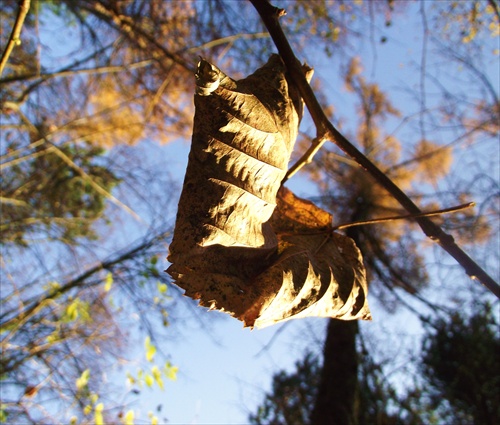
point(222, 377)
point(224, 369)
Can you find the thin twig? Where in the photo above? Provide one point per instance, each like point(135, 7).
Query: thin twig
point(134, 32)
point(306, 158)
point(117, 258)
point(98, 188)
point(65, 158)
point(227, 40)
point(14, 39)
point(325, 129)
point(406, 217)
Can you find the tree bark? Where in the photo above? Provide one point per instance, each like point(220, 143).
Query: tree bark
point(337, 399)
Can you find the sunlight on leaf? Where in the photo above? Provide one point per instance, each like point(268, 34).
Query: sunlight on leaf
point(108, 282)
point(53, 337)
point(3, 415)
point(129, 418)
point(157, 375)
point(130, 379)
point(149, 380)
point(71, 312)
point(153, 418)
point(150, 349)
point(162, 288)
point(52, 286)
point(98, 414)
point(83, 380)
point(77, 309)
point(170, 371)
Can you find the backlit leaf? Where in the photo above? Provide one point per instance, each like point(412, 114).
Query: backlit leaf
point(108, 282)
point(232, 248)
point(83, 380)
point(157, 376)
point(150, 349)
point(170, 371)
point(162, 288)
point(129, 418)
point(149, 380)
point(99, 420)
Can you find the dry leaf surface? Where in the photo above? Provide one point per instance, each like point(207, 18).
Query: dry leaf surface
point(232, 248)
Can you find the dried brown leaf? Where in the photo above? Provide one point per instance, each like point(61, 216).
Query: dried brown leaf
point(232, 248)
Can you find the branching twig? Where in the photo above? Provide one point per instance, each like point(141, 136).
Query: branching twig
point(305, 159)
point(98, 188)
point(325, 130)
point(33, 304)
point(14, 39)
point(66, 159)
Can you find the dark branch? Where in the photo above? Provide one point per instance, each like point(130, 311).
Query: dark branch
point(325, 129)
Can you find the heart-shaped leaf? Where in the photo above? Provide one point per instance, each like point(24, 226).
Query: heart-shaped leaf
point(232, 248)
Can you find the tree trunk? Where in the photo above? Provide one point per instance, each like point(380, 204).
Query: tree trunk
point(337, 399)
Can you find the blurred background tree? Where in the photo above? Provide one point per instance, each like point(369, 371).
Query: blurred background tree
point(457, 387)
point(88, 200)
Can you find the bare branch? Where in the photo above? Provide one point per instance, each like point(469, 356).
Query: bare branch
point(406, 217)
point(53, 148)
point(325, 129)
point(14, 39)
point(33, 304)
point(305, 159)
point(92, 182)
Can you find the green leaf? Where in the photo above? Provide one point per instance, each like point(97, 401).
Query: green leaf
point(76, 309)
point(71, 313)
point(83, 380)
point(3, 415)
point(149, 380)
point(108, 282)
point(157, 376)
point(130, 379)
point(129, 418)
point(170, 371)
point(98, 414)
point(52, 286)
point(150, 349)
point(53, 337)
